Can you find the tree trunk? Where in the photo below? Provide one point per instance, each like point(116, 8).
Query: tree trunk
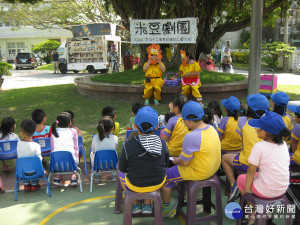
point(176, 61)
point(1, 82)
point(143, 56)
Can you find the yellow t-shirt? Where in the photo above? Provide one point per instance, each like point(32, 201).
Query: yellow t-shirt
point(288, 123)
point(232, 140)
point(249, 139)
point(193, 67)
point(296, 136)
point(153, 70)
point(202, 148)
point(117, 129)
point(176, 130)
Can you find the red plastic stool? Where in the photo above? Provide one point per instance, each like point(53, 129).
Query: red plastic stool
point(130, 196)
point(193, 187)
point(252, 198)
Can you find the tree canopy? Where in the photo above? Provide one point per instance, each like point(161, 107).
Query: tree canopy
point(272, 51)
point(46, 47)
point(62, 14)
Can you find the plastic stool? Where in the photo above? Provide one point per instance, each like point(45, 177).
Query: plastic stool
point(130, 196)
point(119, 201)
point(252, 198)
point(193, 187)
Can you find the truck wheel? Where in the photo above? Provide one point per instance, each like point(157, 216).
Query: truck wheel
point(63, 68)
point(91, 69)
point(104, 71)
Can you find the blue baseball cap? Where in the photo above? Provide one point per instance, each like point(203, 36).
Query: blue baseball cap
point(294, 108)
point(192, 108)
point(258, 102)
point(270, 122)
point(231, 104)
point(146, 114)
point(280, 98)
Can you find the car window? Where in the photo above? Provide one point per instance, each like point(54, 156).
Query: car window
point(24, 55)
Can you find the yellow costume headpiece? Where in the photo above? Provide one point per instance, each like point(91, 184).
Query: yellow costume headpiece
point(183, 57)
point(154, 50)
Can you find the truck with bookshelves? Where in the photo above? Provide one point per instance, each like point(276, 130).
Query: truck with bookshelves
point(89, 48)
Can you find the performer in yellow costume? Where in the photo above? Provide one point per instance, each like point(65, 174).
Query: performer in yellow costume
point(153, 72)
point(190, 69)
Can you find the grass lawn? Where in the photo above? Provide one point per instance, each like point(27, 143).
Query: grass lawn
point(246, 66)
point(137, 76)
point(46, 67)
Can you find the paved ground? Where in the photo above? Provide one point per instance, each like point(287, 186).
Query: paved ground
point(34, 78)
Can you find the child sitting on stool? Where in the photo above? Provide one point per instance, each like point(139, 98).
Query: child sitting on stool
point(270, 157)
point(144, 159)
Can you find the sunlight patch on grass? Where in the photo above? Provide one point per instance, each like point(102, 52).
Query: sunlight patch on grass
point(293, 91)
point(46, 67)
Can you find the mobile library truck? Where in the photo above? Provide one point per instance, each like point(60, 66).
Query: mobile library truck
point(90, 48)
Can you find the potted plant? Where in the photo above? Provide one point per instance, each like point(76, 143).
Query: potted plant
point(4, 71)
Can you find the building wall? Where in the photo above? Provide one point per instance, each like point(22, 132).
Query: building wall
point(22, 40)
point(295, 61)
point(230, 40)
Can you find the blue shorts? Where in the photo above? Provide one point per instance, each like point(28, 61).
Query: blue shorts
point(238, 165)
point(292, 160)
point(131, 187)
point(173, 176)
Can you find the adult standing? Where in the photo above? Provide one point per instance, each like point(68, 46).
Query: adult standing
point(218, 51)
point(55, 58)
point(114, 59)
point(127, 61)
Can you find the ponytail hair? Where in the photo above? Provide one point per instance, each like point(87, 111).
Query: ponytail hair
point(234, 114)
point(62, 120)
point(215, 105)
point(105, 125)
point(280, 109)
point(284, 133)
point(208, 116)
point(7, 126)
point(254, 114)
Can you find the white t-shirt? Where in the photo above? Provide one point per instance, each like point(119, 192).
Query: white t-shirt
point(10, 137)
point(273, 163)
point(108, 143)
point(217, 120)
point(28, 148)
point(67, 141)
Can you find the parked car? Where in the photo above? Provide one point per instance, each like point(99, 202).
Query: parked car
point(38, 59)
point(25, 60)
